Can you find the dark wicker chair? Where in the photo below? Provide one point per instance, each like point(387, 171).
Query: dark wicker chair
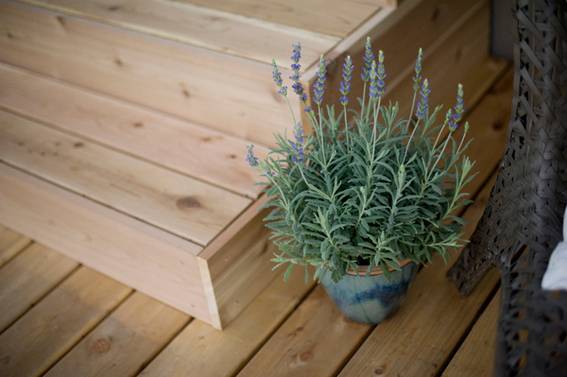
point(522, 223)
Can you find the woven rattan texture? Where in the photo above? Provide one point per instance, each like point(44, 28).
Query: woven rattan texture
point(523, 220)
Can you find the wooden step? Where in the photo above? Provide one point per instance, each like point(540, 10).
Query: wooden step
point(122, 132)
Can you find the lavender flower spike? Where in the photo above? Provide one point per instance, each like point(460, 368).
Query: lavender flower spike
point(423, 105)
point(417, 70)
point(459, 109)
point(298, 155)
point(367, 61)
point(381, 74)
point(297, 86)
point(251, 159)
point(345, 83)
point(277, 76)
point(319, 85)
point(374, 90)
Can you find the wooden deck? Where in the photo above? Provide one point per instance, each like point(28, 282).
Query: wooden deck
point(59, 318)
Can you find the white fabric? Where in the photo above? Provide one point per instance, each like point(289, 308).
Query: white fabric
point(556, 274)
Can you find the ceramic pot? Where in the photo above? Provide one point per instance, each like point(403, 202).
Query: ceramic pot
point(368, 297)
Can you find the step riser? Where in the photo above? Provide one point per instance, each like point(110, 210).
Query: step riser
point(136, 254)
point(228, 93)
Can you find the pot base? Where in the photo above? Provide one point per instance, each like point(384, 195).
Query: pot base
point(370, 298)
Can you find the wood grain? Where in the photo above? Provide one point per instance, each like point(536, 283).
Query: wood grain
point(475, 356)
point(140, 255)
point(11, 243)
point(303, 344)
point(120, 345)
point(204, 351)
point(330, 17)
point(27, 278)
point(167, 141)
point(200, 26)
point(221, 91)
point(173, 202)
point(440, 27)
point(55, 324)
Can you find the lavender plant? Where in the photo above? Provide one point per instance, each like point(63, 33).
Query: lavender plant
point(369, 186)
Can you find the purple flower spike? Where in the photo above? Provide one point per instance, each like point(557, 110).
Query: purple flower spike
point(298, 155)
point(345, 83)
point(277, 76)
point(381, 75)
point(459, 109)
point(423, 105)
point(374, 89)
point(319, 86)
point(417, 70)
point(367, 61)
point(251, 159)
point(297, 86)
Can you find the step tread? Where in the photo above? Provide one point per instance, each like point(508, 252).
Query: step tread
point(176, 144)
point(178, 204)
point(233, 95)
point(329, 17)
point(255, 29)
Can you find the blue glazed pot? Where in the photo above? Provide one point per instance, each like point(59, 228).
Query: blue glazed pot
point(370, 297)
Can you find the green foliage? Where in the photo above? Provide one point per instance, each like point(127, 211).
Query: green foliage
point(367, 187)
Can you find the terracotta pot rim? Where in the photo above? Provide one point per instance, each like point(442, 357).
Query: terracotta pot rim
point(363, 270)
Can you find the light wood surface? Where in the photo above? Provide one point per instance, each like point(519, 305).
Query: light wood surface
point(206, 352)
point(142, 256)
point(27, 278)
point(52, 327)
point(175, 203)
point(11, 243)
point(223, 92)
point(229, 33)
point(460, 57)
point(138, 328)
point(182, 146)
point(331, 17)
point(315, 341)
point(475, 356)
point(455, 42)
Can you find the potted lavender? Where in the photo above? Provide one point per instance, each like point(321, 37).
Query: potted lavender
point(371, 193)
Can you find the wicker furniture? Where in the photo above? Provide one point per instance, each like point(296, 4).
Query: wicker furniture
point(523, 221)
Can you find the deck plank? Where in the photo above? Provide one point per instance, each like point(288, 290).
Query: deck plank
point(205, 351)
point(461, 57)
point(475, 357)
point(11, 243)
point(27, 278)
point(330, 17)
point(200, 26)
point(121, 344)
point(176, 144)
point(178, 204)
point(52, 327)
